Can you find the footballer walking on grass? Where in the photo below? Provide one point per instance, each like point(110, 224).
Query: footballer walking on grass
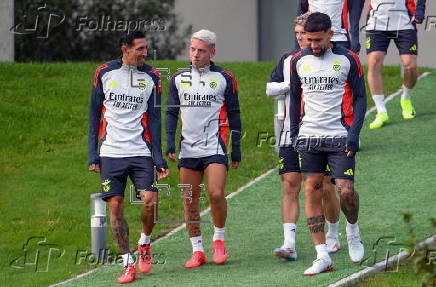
point(289, 166)
point(345, 16)
point(206, 97)
point(125, 141)
point(328, 104)
point(393, 20)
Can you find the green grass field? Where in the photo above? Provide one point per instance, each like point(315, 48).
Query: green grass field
point(46, 186)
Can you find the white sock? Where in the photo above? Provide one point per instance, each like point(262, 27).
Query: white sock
point(197, 243)
point(379, 101)
point(219, 233)
point(406, 93)
point(352, 229)
point(333, 228)
point(289, 230)
point(144, 239)
point(127, 259)
point(321, 251)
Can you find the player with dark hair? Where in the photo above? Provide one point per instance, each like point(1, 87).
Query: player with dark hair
point(124, 140)
point(207, 98)
point(345, 16)
point(328, 104)
point(289, 168)
point(396, 20)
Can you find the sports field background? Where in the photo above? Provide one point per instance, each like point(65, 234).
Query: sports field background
point(45, 187)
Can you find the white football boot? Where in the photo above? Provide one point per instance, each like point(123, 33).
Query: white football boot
point(320, 265)
point(355, 248)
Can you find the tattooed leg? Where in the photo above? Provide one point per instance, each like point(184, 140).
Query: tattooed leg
point(119, 227)
point(316, 224)
point(349, 199)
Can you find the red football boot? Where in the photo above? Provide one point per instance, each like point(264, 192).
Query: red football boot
point(198, 258)
point(219, 252)
point(144, 254)
point(129, 274)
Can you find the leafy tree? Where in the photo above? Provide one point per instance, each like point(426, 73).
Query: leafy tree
point(78, 30)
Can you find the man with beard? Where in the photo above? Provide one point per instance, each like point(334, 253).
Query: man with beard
point(328, 104)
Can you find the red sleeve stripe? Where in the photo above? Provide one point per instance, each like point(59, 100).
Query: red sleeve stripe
point(345, 15)
point(291, 62)
point(347, 105)
point(223, 123)
point(159, 86)
point(103, 124)
point(356, 59)
point(234, 82)
point(144, 123)
point(410, 4)
point(97, 73)
point(368, 11)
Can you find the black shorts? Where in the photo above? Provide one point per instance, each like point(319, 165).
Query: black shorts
point(405, 40)
point(201, 163)
point(114, 173)
point(316, 155)
point(288, 160)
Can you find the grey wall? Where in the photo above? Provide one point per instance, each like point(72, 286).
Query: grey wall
point(6, 37)
point(426, 42)
point(276, 28)
point(234, 22)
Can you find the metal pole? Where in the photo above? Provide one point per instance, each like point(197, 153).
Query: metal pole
point(279, 117)
point(98, 227)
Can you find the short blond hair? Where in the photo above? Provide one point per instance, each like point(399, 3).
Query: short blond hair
point(206, 36)
point(301, 19)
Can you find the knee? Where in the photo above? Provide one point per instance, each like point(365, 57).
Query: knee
point(116, 206)
point(313, 187)
point(375, 64)
point(291, 187)
point(313, 193)
point(149, 203)
point(410, 65)
point(346, 192)
point(216, 196)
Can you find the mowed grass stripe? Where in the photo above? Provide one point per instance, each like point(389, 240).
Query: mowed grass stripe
point(393, 176)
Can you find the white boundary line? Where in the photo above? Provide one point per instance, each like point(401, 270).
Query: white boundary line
point(382, 265)
point(378, 267)
point(260, 177)
point(178, 228)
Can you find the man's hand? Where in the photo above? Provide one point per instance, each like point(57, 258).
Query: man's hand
point(171, 157)
point(162, 173)
point(355, 47)
point(350, 153)
point(235, 164)
point(94, 167)
point(417, 20)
